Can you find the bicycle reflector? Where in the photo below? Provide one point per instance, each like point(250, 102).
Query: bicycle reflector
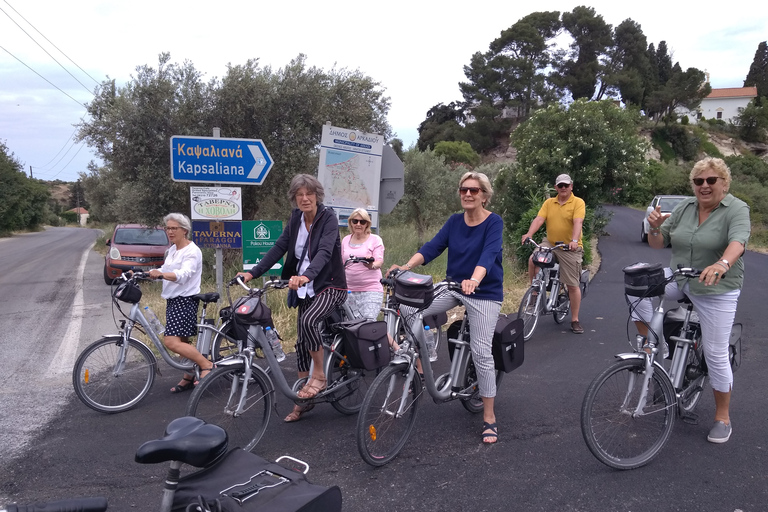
point(372, 432)
point(87, 376)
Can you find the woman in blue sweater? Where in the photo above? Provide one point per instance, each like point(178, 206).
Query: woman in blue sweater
point(473, 240)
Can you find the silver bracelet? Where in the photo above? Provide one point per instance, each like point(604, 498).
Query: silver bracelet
point(475, 280)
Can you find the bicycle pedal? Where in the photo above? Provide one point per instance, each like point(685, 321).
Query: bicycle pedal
point(690, 418)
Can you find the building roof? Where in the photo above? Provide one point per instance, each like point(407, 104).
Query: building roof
point(81, 210)
point(734, 92)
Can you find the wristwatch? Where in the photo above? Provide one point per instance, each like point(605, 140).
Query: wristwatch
point(575, 241)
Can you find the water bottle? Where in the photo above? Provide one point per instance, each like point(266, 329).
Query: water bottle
point(274, 342)
point(154, 322)
point(429, 337)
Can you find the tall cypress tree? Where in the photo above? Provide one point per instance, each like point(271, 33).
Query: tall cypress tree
point(758, 71)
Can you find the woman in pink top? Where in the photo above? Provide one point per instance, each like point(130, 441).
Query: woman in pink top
point(363, 279)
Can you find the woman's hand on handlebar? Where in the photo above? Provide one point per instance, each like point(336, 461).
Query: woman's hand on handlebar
point(396, 267)
point(245, 276)
point(468, 286)
point(296, 282)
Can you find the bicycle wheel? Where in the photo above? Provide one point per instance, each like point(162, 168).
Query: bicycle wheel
point(351, 384)
point(562, 305)
point(222, 347)
point(101, 386)
point(695, 367)
point(217, 397)
point(529, 311)
point(382, 431)
point(613, 435)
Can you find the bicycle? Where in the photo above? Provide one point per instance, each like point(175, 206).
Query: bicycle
point(547, 293)
point(239, 394)
point(630, 408)
point(195, 443)
point(116, 372)
point(388, 412)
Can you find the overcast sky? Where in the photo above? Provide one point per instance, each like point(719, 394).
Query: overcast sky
point(416, 49)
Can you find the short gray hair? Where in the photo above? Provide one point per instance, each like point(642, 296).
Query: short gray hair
point(308, 182)
point(181, 219)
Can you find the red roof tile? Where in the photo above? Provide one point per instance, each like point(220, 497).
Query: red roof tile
point(734, 92)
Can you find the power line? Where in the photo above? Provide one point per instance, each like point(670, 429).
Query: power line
point(46, 51)
point(41, 76)
point(51, 43)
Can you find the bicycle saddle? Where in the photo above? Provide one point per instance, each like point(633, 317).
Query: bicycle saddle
point(188, 440)
point(207, 297)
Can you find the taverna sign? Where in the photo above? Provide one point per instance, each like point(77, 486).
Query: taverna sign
point(216, 203)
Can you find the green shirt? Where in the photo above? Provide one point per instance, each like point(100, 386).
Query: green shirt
point(699, 246)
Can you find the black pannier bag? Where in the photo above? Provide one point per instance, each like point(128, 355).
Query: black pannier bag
point(544, 259)
point(412, 289)
point(644, 280)
point(507, 345)
point(366, 344)
point(243, 481)
point(128, 292)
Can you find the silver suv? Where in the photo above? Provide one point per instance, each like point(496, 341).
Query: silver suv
point(667, 204)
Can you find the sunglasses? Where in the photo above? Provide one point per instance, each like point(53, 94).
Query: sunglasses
point(472, 190)
point(357, 221)
point(710, 181)
point(563, 185)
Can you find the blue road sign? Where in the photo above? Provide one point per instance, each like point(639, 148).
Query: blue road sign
point(219, 160)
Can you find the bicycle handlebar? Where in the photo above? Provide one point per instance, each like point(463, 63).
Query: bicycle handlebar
point(357, 259)
point(273, 283)
point(558, 245)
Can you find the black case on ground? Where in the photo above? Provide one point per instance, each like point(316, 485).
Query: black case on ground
point(279, 489)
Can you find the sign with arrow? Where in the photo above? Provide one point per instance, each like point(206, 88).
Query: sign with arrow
point(219, 160)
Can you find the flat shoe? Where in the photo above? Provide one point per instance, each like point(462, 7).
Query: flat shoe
point(492, 436)
point(720, 432)
point(295, 414)
point(180, 388)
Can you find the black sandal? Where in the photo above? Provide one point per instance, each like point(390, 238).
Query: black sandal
point(180, 388)
point(493, 434)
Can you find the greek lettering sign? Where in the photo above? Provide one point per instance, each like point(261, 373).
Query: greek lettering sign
point(216, 203)
point(217, 235)
point(219, 160)
point(258, 238)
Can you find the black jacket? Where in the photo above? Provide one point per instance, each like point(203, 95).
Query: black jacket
point(326, 267)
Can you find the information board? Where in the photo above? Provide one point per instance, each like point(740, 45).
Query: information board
point(258, 238)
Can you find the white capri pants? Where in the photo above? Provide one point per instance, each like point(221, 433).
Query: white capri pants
point(483, 316)
point(716, 315)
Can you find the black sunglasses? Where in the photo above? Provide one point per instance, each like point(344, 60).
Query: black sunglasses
point(358, 221)
point(472, 190)
point(563, 185)
point(710, 181)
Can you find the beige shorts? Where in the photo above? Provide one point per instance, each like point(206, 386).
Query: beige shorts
point(570, 264)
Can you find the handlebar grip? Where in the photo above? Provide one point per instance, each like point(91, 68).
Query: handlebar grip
point(74, 505)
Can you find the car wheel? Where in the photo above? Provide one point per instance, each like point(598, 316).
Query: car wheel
point(107, 279)
point(643, 234)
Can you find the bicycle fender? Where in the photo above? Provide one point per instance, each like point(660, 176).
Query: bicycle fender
point(634, 355)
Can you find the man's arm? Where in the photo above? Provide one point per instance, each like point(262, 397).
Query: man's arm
point(535, 225)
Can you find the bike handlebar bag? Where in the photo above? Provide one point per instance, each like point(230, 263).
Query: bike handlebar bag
point(544, 259)
point(243, 481)
point(128, 292)
point(366, 344)
point(644, 279)
point(415, 290)
point(251, 310)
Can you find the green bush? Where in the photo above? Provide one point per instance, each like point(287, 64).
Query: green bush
point(69, 217)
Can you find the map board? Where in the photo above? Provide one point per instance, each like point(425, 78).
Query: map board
point(350, 170)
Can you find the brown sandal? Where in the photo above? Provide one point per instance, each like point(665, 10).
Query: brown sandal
point(312, 388)
point(297, 411)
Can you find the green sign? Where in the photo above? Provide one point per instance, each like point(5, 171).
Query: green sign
point(258, 237)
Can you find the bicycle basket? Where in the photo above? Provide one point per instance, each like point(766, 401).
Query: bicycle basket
point(644, 280)
point(544, 259)
point(413, 289)
point(128, 292)
point(250, 310)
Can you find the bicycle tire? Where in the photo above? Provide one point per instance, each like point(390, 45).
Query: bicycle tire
point(348, 398)
point(562, 305)
point(695, 357)
point(613, 436)
point(217, 396)
point(221, 347)
point(96, 384)
point(529, 311)
point(474, 403)
point(380, 434)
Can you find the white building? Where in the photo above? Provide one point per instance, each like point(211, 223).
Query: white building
point(723, 104)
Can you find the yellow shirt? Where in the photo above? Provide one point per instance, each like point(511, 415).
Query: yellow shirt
point(559, 218)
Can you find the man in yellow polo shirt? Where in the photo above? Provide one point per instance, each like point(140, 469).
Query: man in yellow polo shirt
point(564, 215)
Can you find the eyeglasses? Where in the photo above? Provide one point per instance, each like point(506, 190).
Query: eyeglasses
point(472, 190)
point(710, 181)
point(563, 185)
point(357, 221)
point(171, 228)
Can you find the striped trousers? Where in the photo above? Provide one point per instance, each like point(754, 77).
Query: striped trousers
point(312, 311)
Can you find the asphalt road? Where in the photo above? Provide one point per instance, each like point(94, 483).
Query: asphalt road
point(540, 463)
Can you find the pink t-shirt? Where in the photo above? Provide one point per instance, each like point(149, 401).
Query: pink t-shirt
point(359, 277)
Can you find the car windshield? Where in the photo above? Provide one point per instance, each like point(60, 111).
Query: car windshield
point(668, 203)
point(140, 236)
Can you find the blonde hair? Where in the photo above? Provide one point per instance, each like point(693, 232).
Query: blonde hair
point(363, 214)
point(715, 164)
point(485, 184)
